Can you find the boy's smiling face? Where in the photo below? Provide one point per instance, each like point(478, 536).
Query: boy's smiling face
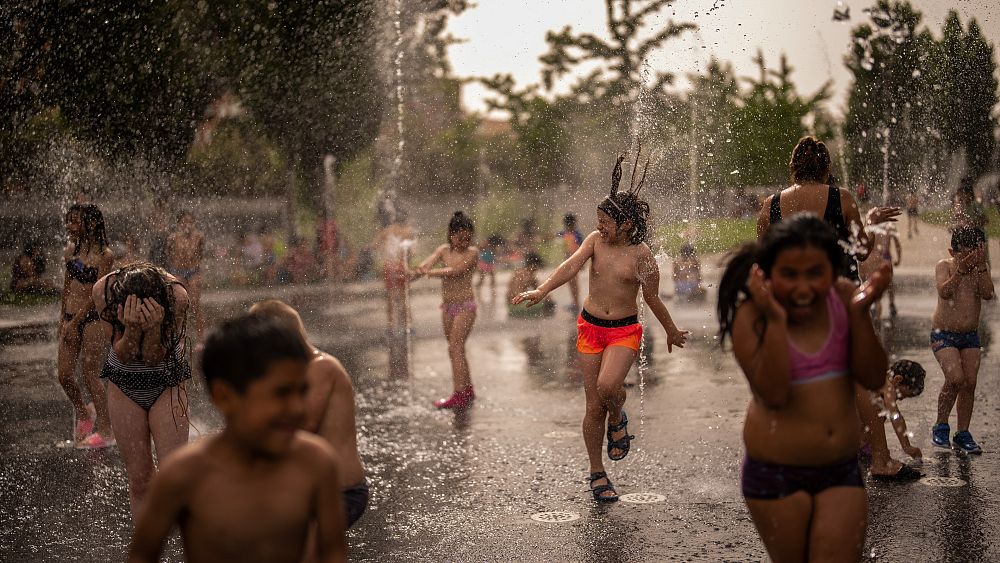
point(266, 416)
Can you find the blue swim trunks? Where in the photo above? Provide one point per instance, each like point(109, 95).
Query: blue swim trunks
point(941, 339)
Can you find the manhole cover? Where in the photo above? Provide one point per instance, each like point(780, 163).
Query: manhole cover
point(942, 481)
point(642, 498)
point(561, 434)
point(555, 517)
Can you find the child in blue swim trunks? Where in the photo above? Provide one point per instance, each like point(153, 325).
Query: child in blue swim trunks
point(963, 283)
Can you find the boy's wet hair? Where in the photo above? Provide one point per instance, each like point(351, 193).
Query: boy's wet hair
point(533, 260)
point(966, 237)
point(569, 221)
point(911, 375)
point(460, 222)
point(798, 231)
point(242, 349)
point(627, 206)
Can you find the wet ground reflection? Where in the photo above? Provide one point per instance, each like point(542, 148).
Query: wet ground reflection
point(463, 488)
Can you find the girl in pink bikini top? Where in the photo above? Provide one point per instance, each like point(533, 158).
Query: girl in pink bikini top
point(832, 358)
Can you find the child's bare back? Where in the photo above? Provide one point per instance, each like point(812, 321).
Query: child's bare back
point(331, 413)
point(233, 507)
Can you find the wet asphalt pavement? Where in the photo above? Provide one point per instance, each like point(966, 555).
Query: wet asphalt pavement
point(463, 488)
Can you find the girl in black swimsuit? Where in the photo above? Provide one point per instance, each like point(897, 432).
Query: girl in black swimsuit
point(146, 367)
point(82, 340)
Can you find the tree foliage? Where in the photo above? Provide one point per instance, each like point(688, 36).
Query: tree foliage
point(918, 106)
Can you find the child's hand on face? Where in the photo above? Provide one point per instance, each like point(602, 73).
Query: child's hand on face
point(153, 312)
point(131, 314)
point(762, 296)
point(872, 289)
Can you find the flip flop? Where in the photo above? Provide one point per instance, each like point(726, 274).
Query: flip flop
point(601, 489)
point(621, 443)
point(905, 473)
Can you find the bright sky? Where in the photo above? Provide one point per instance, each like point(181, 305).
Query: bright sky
point(508, 36)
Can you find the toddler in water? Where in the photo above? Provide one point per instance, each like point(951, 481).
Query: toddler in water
point(608, 329)
point(963, 283)
point(905, 380)
point(259, 489)
point(458, 307)
point(802, 337)
point(329, 407)
point(523, 279)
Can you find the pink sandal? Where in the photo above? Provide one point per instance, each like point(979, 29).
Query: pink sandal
point(95, 442)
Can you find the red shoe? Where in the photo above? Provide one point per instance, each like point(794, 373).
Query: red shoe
point(459, 400)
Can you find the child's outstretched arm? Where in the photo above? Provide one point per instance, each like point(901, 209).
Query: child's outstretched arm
point(422, 268)
point(760, 343)
point(898, 422)
point(868, 361)
point(565, 272)
point(161, 510)
point(453, 271)
point(649, 279)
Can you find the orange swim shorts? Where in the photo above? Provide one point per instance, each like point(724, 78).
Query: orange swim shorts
point(593, 335)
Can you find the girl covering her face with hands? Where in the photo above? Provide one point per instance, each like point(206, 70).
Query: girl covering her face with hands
point(146, 367)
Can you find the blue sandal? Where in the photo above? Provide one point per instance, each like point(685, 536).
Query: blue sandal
point(601, 489)
point(621, 443)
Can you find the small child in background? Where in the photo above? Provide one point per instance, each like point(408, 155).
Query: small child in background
point(687, 275)
point(487, 262)
point(523, 279)
point(572, 238)
point(261, 488)
point(904, 380)
point(963, 283)
point(329, 407)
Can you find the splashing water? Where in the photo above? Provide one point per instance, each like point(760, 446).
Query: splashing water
point(641, 370)
point(398, 160)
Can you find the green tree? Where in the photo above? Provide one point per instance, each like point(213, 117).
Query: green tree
point(120, 75)
point(618, 80)
point(886, 128)
point(966, 74)
point(771, 117)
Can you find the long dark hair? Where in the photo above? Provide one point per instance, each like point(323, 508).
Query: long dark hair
point(798, 231)
point(624, 206)
point(143, 280)
point(94, 230)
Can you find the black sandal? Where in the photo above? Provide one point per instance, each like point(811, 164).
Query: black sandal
point(601, 489)
point(621, 443)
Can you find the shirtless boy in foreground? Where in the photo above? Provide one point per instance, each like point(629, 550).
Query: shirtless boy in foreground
point(329, 407)
point(185, 250)
point(255, 491)
point(608, 330)
point(963, 283)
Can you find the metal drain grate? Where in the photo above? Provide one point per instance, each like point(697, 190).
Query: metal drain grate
point(555, 517)
point(642, 498)
point(942, 482)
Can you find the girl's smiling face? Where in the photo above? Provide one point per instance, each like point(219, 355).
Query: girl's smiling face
point(461, 238)
point(610, 231)
point(800, 279)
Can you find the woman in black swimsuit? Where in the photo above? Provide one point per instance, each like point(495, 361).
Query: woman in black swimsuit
point(146, 367)
point(87, 257)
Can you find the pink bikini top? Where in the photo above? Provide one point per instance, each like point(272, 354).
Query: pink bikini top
point(831, 360)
